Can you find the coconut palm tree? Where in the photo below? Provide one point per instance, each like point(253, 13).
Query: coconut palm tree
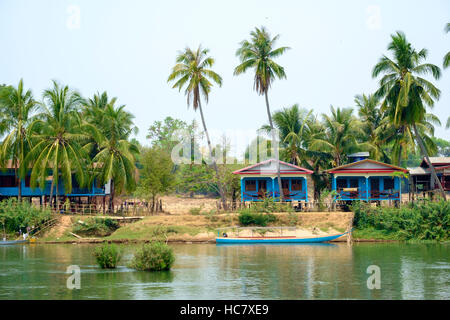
point(447, 56)
point(17, 107)
point(405, 94)
point(339, 138)
point(192, 71)
point(258, 54)
point(377, 131)
point(58, 136)
point(115, 160)
point(292, 125)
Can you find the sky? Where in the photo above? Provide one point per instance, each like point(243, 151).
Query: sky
point(129, 47)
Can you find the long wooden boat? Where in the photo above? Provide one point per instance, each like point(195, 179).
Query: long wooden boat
point(8, 242)
point(278, 239)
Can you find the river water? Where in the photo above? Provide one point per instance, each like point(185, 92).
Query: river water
point(209, 271)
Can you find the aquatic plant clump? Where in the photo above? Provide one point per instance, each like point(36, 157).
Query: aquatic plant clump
point(107, 256)
point(156, 256)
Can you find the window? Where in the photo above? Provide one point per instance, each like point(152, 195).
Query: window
point(341, 183)
point(354, 183)
point(262, 185)
point(8, 181)
point(27, 181)
point(250, 185)
point(375, 184)
point(296, 185)
point(388, 183)
point(285, 184)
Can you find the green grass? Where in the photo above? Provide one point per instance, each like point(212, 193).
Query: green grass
point(151, 232)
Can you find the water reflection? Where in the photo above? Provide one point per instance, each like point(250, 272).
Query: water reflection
point(306, 271)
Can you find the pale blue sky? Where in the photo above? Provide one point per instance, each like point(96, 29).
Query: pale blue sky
point(128, 48)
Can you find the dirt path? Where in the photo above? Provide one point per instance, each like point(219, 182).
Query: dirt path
point(63, 225)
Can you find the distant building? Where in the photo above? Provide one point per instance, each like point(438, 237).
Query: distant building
point(9, 187)
point(421, 179)
point(260, 180)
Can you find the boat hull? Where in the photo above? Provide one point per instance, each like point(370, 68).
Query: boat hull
point(278, 239)
point(9, 242)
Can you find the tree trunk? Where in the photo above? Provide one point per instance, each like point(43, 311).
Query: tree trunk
point(111, 198)
point(275, 147)
point(425, 154)
point(51, 192)
point(219, 182)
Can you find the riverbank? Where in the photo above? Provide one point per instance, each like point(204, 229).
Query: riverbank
point(200, 228)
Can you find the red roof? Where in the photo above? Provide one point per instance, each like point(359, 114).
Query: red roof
point(371, 166)
point(253, 169)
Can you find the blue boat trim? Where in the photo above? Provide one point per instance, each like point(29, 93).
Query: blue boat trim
point(280, 239)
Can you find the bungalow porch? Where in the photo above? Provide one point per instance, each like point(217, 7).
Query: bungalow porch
point(260, 181)
point(366, 180)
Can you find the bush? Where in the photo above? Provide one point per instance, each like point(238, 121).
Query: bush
point(107, 256)
point(246, 218)
point(16, 215)
point(421, 221)
point(156, 256)
point(96, 227)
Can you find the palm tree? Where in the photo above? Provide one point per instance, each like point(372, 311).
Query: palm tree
point(339, 138)
point(405, 93)
point(115, 160)
point(292, 124)
point(446, 64)
point(447, 56)
point(258, 54)
point(17, 107)
point(192, 70)
point(58, 136)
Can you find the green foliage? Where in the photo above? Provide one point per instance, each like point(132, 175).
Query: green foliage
point(96, 227)
point(195, 211)
point(156, 256)
point(156, 177)
point(16, 215)
point(420, 221)
point(248, 217)
point(107, 256)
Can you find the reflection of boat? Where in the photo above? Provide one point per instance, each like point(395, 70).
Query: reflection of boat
point(7, 242)
point(306, 244)
point(276, 239)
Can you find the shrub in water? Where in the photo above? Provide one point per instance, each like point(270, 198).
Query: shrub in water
point(156, 256)
point(107, 256)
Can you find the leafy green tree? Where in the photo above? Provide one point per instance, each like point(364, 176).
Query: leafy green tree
point(258, 54)
point(17, 107)
point(443, 147)
point(405, 94)
point(156, 177)
point(192, 71)
point(58, 136)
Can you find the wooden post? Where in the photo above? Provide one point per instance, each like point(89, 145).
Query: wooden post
point(349, 230)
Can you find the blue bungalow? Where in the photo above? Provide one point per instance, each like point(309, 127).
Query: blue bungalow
point(9, 187)
point(367, 180)
point(260, 180)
